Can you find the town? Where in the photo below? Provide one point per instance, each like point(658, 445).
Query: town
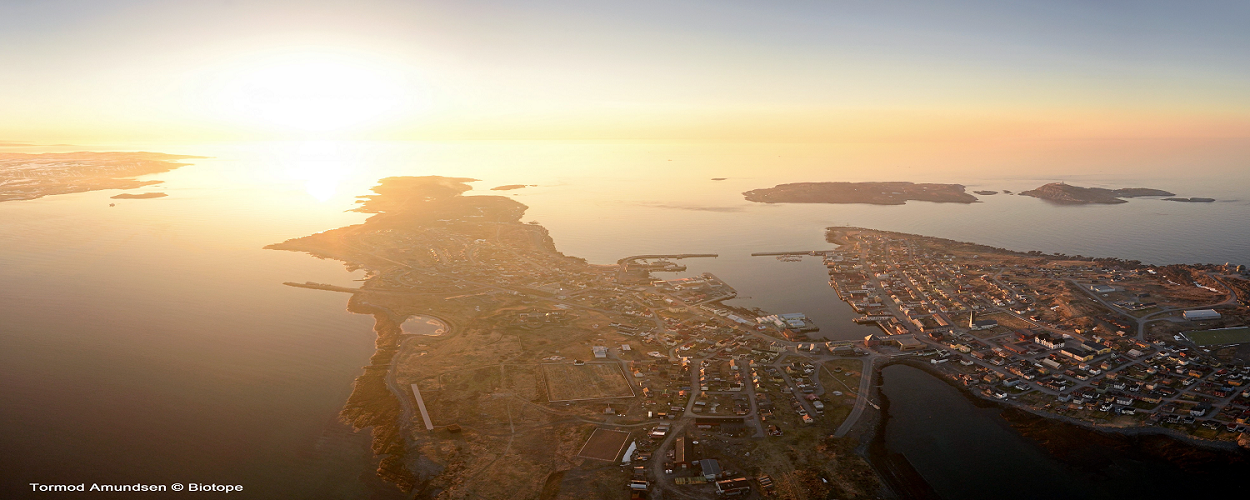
point(1105, 342)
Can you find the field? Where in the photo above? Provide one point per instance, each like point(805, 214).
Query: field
point(1223, 336)
point(604, 444)
point(568, 382)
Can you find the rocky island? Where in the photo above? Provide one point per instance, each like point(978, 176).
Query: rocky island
point(875, 193)
point(1067, 194)
point(28, 176)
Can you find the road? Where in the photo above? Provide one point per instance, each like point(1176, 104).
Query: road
point(865, 386)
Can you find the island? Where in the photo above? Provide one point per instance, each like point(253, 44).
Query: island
point(719, 178)
point(1067, 194)
point(508, 187)
point(986, 193)
point(875, 193)
point(1191, 200)
point(550, 372)
point(138, 196)
point(26, 176)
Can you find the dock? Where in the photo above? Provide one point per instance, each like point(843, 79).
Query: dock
point(425, 415)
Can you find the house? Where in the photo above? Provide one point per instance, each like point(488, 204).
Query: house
point(600, 351)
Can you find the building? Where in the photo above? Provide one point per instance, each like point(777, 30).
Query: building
point(711, 468)
point(600, 351)
point(907, 342)
point(733, 487)
point(1077, 353)
point(1048, 341)
point(1201, 314)
point(981, 324)
point(1101, 288)
point(683, 455)
point(1096, 348)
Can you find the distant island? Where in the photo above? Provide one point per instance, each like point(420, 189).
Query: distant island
point(719, 178)
point(1191, 200)
point(508, 187)
point(1067, 194)
point(875, 193)
point(139, 196)
point(29, 176)
point(986, 193)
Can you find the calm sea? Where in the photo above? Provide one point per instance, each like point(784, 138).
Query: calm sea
point(154, 342)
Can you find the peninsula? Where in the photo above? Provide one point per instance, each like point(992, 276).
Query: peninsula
point(551, 371)
point(1067, 194)
point(30, 176)
point(875, 193)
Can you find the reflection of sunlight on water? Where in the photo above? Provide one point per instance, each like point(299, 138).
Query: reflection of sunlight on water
point(320, 165)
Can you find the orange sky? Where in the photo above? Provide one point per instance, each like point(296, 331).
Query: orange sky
point(964, 71)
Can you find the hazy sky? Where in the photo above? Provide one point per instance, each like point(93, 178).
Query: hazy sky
point(100, 70)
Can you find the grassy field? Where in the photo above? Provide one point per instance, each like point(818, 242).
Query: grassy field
point(568, 382)
point(1222, 336)
point(845, 371)
point(604, 444)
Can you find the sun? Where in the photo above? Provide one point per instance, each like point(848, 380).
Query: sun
point(315, 93)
